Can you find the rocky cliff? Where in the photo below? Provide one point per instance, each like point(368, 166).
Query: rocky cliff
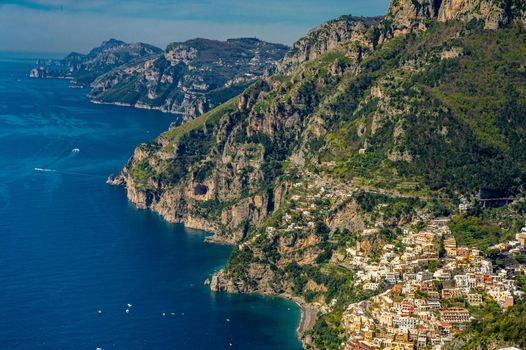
point(367, 124)
point(408, 14)
point(85, 68)
point(338, 34)
point(240, 149)
point(190, 78)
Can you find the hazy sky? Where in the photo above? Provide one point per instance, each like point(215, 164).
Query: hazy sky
point(79, 25)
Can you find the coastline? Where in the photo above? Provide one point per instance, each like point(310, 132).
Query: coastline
point(308, 313)
point(307, 318)
point(137, 106)
point(215, 239)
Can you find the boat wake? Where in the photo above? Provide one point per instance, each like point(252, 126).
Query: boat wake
point(45, 170)
point(67, 172)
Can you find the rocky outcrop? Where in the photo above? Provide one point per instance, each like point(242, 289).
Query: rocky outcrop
point(333, 35)
point(190, 78)
point(494, 14)
point(410, 14)
point(237, 175)
point(232, 201)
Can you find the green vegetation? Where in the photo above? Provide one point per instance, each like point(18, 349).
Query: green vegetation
point(328, 331)
point(483, 229)
point(238, 264)
point(390, 209)
point(466, 122)
point(212, 117)
point(496, 329)
point(141, 173)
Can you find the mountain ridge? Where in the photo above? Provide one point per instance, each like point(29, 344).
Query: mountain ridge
point(190, 77)
point(84, 68)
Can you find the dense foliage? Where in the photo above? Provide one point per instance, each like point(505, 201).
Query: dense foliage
point(460, 119)
point(496, 330)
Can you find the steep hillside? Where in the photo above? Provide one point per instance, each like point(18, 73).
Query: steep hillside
point(496, 331)
point(190, 78)
point(234, 154)
point(369, 129)
point(85, 68)
point(417, 114)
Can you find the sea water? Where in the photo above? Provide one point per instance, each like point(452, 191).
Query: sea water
point(74, 253)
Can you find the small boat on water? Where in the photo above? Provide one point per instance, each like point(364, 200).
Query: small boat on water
point(75, 150)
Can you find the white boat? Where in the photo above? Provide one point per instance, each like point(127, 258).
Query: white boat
point(75, 150)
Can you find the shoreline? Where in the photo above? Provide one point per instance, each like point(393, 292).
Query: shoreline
point(137, 106)
point(214, 239)
point(308, 314)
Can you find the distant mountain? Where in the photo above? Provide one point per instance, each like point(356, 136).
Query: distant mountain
point(189, 78)
point(85, 68)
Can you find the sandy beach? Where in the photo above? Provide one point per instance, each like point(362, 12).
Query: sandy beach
point(308, 315)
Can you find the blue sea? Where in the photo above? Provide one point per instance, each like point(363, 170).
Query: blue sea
point(70, 245)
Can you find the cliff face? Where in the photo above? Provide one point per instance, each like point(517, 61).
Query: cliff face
point(85, 68)
point(361, 127)
point(409, 14)
point(229, 159)
point(338, 34)
point(190, 78)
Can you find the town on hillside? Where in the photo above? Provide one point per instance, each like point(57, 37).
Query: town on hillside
point(427, 288)
point(435, 288)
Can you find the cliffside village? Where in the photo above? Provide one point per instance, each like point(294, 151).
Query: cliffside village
point(427, 286)
point(424, 309)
